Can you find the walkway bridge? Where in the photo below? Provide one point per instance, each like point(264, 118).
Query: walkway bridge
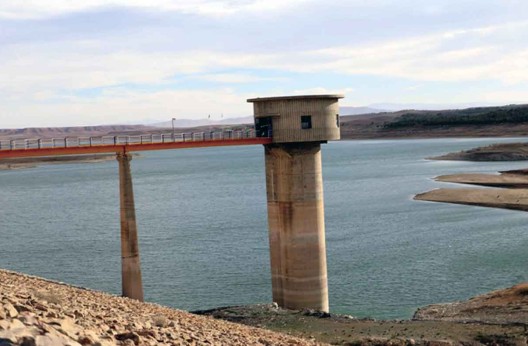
point(121, 145)
point(294, 187)
point(32, 147)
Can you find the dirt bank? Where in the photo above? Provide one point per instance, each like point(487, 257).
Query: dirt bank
point(510, 194)
point(502, 306)
point(507, 179)
point(516, 199)
point(346, 330)
point(494, 152)
point(34, 311)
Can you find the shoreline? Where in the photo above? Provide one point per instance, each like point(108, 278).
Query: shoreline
point(506, 190)
point(32, 162)
point(34, 307)
point(41, 311)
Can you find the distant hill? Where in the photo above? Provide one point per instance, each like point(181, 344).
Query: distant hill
point(203, 122)
point(503, 121)
point(345, 110)
point(104, 130)
point(50, 132)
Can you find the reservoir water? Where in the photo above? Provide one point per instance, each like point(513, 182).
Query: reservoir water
point(203, 227)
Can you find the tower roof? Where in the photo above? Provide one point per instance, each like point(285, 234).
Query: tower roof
point(296, 97)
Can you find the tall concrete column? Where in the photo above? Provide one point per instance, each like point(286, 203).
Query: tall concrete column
point(132, 286)
point(294, 185)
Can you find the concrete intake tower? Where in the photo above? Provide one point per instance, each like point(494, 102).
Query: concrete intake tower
point(294, 185)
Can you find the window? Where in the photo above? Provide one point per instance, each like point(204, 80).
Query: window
point(306, 122)
point(263, 127)
point(337, 120)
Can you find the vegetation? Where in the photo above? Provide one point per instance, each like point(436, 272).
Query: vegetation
point(495, 340)
point(514, 114)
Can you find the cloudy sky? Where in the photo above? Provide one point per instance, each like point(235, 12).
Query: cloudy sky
point(89, 62)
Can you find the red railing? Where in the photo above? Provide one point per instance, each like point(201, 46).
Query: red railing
point(141, 142)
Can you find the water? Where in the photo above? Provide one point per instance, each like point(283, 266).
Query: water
point(203, 231)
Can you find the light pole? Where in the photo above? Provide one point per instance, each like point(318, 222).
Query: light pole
point(173, 137)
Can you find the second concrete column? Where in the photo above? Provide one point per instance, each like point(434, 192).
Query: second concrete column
point(132, 285)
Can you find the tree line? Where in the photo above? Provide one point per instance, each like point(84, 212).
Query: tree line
point(470, 116)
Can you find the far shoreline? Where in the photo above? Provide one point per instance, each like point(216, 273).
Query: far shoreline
point(33, 162)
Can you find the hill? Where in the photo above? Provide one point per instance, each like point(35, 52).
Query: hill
point(504, 121)
point(510, 121)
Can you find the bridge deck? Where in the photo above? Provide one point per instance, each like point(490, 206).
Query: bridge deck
point(113, 144)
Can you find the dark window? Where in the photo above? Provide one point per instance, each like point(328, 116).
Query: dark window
point(306, 122)
point(337, 120)
point(263, 127)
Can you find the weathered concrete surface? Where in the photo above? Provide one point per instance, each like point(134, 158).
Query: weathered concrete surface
point(516, 199)
point(294, 187)
point(132, 285)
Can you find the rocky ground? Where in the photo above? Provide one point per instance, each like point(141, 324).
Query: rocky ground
point(426, 328)
point(508, 306)
point(38, 312)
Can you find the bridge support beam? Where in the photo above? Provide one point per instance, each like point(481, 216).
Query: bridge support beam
point(294, 185)
point(132, 286)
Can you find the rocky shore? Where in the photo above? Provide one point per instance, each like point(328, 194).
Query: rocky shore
point(494, 152)
point(479, 321)
point(502, 306)
point(39, 312)
point(509, 192)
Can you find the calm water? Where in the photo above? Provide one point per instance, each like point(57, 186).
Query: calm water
point(203, 229)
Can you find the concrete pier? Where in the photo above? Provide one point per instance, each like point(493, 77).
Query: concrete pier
point(132, 286)
point(294, 187)
point(294, 184)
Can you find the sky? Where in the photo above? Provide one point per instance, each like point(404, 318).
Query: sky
point(91, 62)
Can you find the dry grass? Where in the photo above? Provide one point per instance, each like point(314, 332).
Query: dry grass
point(160, 321)
point(49, 296)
